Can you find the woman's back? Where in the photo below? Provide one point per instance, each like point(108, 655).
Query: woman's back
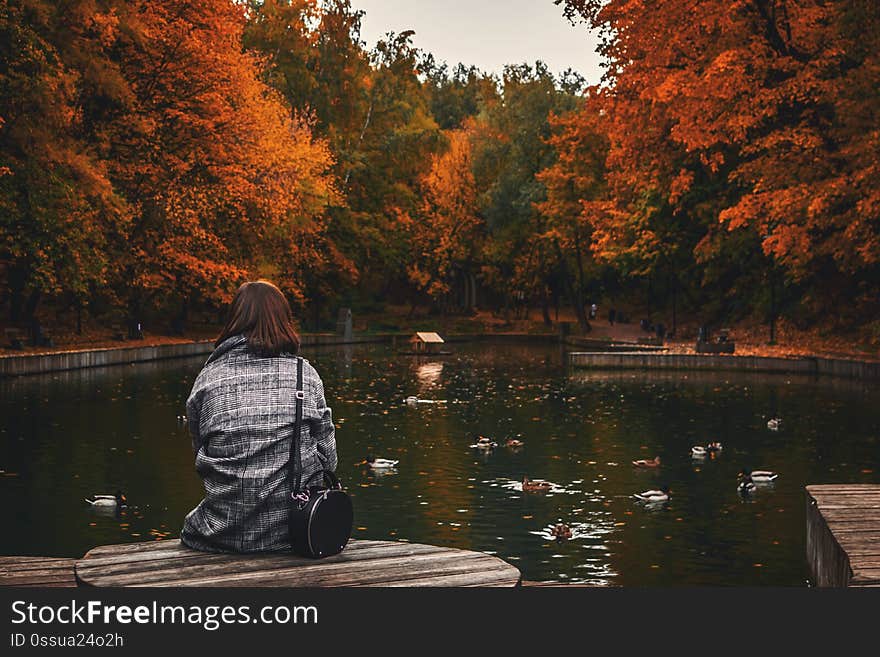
point(241, 416)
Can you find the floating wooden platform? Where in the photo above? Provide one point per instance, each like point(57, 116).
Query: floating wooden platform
point(36, 571)
point(362, 563)
point(843, 534)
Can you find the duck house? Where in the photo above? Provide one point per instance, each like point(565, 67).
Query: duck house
point(427, 343)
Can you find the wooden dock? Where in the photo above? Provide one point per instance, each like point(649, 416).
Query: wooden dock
point(168, 563)
point(36, 571)
point(843, 534)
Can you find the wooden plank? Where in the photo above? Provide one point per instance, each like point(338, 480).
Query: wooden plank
point(382, 574)
point(866, 498)
point(866, 576)
point(245, 570)
point(495, 577)
point(852, 512)
point(178, 569)
point(184, 557)
point(37, 571)
point(362, 563)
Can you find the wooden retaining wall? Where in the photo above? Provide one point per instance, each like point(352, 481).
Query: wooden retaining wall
point(853, 369)
point(18, 365)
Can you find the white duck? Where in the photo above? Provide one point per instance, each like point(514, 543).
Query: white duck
point(774, 423)
point(107, 501)
point(758, 476)
point(698, 451)
point(653, 496)
point(415, 401)
point(484, 443)
point(380, 464)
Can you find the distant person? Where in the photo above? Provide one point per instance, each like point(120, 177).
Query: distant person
point(612, 315)
point(241, 414)
point(593, 310)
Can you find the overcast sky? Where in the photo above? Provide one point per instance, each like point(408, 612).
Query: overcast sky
point(486, 33)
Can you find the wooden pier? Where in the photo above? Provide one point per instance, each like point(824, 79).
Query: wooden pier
point(843, 534)
point(36, 571)
point(168, 563)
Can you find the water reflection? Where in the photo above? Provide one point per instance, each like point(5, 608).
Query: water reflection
point(427, 375)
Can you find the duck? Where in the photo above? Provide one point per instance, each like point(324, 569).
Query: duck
point(774, 423)
point(714, 446)
point(758, 476)
point(379, 464)
point(530, 486)
point(108, 501)
point(652, 496)
point(561, 532)
point(484, 443)
point(746, 487)
point(648, 463)
point(514, 443)
point(698, 451)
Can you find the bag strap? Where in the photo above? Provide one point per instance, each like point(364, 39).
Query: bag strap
point(326, 477)
point(294, 462)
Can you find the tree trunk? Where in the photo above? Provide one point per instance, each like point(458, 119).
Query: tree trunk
point(473, 300)
point(772, 309)
point(17, 278)
point(545, 308)
point(579, 309)
point(556, 301)
point(674, 305)
point(33, 302)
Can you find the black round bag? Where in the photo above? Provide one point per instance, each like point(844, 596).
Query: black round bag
point(321, 515)
point(321, 518)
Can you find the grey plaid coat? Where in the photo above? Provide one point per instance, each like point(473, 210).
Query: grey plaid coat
point(241, 413)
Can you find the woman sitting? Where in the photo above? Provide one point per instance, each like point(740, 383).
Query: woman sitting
point(241, 414)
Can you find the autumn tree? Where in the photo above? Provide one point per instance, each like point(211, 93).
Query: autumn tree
point(511, 147)
point(373, 109)
point(58, 208)
point(755, 117)
point(445, 232)
point(577, 196)
point(172, 160)
point(456, 95)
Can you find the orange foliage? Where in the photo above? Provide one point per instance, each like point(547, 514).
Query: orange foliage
point(444, 233)
point(771, 104)
point(181, 171)
point(224, 176)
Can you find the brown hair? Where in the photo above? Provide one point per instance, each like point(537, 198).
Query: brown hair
point(261, 313)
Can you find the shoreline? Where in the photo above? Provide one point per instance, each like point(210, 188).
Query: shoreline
point(76, 359)
point(62, 360)
point(604, 354)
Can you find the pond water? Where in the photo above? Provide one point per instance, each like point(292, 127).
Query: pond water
point(68, 435)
